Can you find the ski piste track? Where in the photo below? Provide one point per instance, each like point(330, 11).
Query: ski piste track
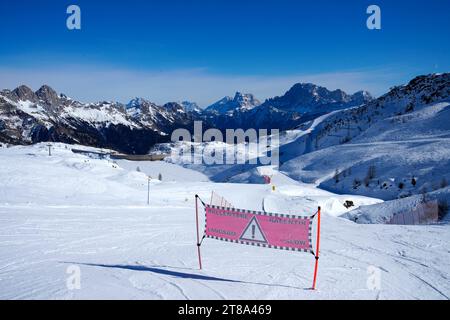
point(126, 249)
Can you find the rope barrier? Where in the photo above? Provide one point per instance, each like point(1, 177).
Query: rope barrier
point(203, 203)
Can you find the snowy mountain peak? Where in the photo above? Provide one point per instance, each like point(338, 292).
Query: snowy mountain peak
point(308, 97)
point(23, 93)
point(190, 106)
point(364, 94)
point(241, 101)
point(47, 95)
point(361, 97)
point(220, 104)
point(174, 107)
point(137, 102)
point(138, 106)
point(246, 101)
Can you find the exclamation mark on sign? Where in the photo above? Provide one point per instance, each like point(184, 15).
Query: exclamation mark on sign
point(253, 232)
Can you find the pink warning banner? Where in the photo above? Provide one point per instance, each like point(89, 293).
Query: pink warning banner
point(272, 230)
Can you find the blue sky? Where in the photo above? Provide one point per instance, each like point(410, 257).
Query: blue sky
point(201, 50)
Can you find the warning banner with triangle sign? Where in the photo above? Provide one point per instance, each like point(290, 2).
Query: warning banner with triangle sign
point(253, 232)
point(262, 229)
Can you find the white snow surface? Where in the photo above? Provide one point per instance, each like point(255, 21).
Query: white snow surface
point(72, 210)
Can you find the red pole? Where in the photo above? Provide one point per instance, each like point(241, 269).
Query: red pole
point(317, 250)
point(198, 237)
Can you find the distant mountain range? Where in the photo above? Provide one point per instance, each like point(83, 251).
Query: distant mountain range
point(303, 102)
point(29, 117)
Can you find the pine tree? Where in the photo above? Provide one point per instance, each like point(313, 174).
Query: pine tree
point(336, 176)
point(371, 173)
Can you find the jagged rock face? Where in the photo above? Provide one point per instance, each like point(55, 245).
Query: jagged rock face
point(308, 97)
point(362, 97)
point(240, 102)
point(246, 101)
point(174, 107)
point(23, 93)
point(423, 88)
point(48, 96)
point(190, 106)
point(139, 106)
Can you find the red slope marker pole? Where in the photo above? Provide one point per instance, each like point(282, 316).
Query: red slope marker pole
point(317, 250)
point(198, 237)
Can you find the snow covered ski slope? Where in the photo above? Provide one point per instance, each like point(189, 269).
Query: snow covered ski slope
point(73, 211)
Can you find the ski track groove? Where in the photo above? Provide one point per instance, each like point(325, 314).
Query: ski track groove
point(429, 285)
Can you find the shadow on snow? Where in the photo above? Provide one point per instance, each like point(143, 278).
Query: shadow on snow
point(178, 274)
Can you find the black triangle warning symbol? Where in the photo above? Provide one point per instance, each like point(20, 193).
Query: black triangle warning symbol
point(253, 232)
